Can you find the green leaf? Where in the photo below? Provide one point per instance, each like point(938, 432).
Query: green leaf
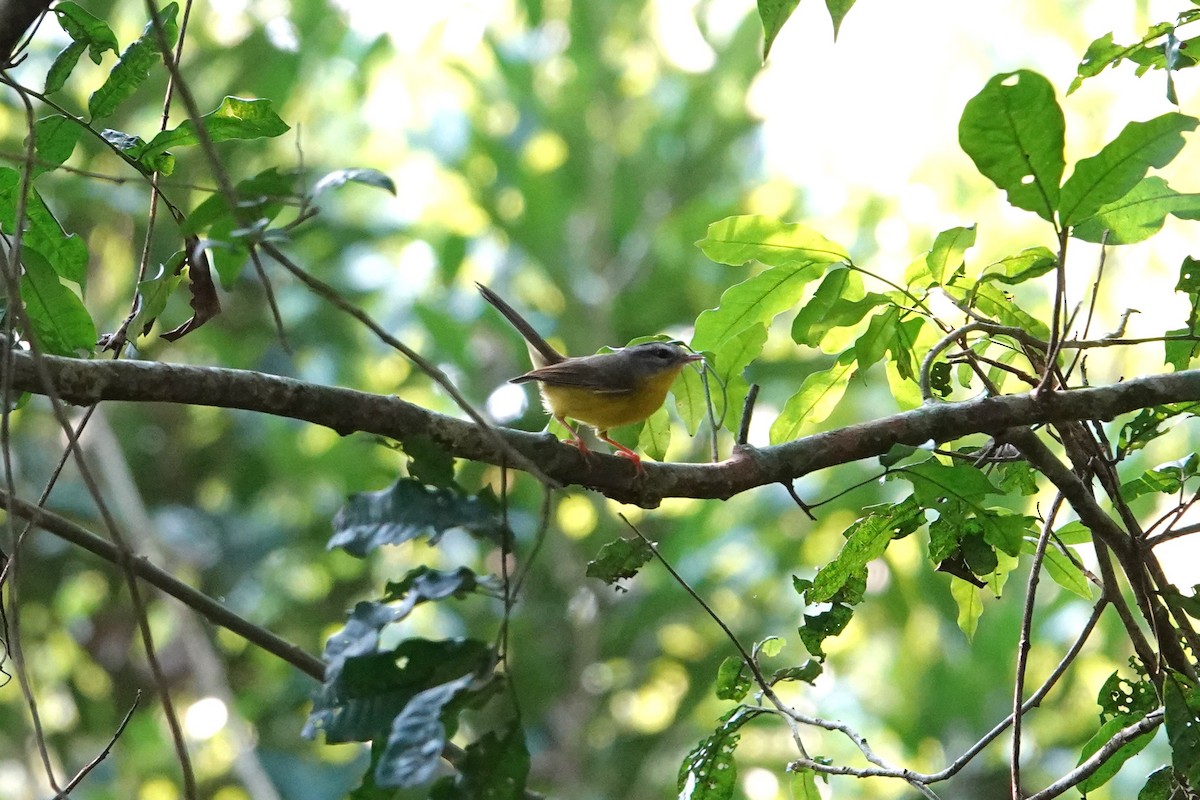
point(1032, 262)
point(340, 177)
point(1182, 701)
point(818, 396)
point(87, 32)
point(866, 540)
point(133, 68)
point(405, 510)
point(770, 646)
point(235, 118)
point(948, 251)
point(1117, 168)
point(1013, 131)
point(730, 363)
point(879, 336)
point(1001, 306)
point(733, 679)
point(737, 240)
point(1101, 54)
point(970, 606)
point(60, 321)
point(838, 302)
point(773, 14)
point(1074, 532)
point(1159, 785)
point(655, 436)
point(752, 302)
point(690, 400)
point(838, 9)
point(66, 254)
point(619, 559)
point(54, 138)
point(709, 771)
point(496, 767)
point(1065, 572)
point(424, 584)
point(935, 481)
point(1121, 696)
point(817, 628)
point(155, 292)
point(1138, 215)
point(802, 785)
point(414, 744)
point(808, 672)
point(1113, 765)
point(1148, 424)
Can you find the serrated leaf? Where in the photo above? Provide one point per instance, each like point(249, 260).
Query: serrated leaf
point(1013, 131)
point(405, 510)
point(133, 68)
point(367, 177)
point(1120, 164)
point(619, 559)
point(774, 13)
point(235, 118)
point(737, 240)
point(752, 302)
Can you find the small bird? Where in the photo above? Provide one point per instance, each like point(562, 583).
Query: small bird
point(603, 391)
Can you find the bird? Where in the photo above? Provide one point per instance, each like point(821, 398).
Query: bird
point(603, 391)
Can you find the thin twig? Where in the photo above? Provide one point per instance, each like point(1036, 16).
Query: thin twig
point(103, 754)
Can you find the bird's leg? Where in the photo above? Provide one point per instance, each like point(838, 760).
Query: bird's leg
point(576, 440)
point(624, 452)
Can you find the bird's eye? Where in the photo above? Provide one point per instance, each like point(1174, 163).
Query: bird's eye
point(662, 352)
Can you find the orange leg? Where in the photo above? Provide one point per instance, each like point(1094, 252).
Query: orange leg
point(624, 452)
point(576, 440)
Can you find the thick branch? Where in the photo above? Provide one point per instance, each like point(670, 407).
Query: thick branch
point(347, 411)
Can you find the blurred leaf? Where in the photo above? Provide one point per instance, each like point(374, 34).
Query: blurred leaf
point(1148, 424)
point(1001, 306)
point(367, 177)
point(1120, 164)
point(818, 396)
point(774, 13)
point(709, 771)
point(1138, 215)
point(970, 606)
point(55, 138)
point(428, 462)
point(802, 785)
point(1013, 131)
point(423, 584)
point(406, 510)
point(619, 559)
point(495, 768)
point(133, 68)
point(769, 647)
point(733, 679)
point(1160, 785)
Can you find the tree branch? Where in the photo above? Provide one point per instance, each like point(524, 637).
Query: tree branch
point(347, 411)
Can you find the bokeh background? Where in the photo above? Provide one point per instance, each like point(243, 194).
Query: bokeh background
point(568, 154)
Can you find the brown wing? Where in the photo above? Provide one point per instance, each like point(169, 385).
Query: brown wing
point(604, 373)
